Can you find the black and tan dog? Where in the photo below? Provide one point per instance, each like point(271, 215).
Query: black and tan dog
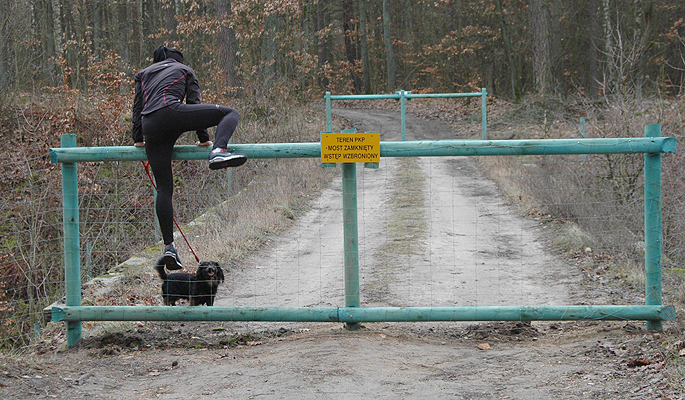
point(199, 288)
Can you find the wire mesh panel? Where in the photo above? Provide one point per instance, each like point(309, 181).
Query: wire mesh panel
point(30, 249)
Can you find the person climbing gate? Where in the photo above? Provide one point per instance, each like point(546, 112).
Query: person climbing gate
point(160, 117)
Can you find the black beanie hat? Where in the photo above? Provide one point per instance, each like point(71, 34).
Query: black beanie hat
point(162, 53)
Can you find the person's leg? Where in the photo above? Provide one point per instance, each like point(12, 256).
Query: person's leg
point(159, 156)
point(202, 116)
point(225, 128)
point(160, 138)
point(161, 129)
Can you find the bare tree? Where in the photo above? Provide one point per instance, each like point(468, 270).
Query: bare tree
point(227, 42)
point(389, 51)
point(513, 60)
point(364, 45)
point(4, 45)
point(593, 63)
point(541, 40)
point(269, 49)
point(350, 48)
point(322, 40)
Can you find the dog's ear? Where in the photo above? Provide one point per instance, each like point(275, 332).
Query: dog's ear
point(220, 273)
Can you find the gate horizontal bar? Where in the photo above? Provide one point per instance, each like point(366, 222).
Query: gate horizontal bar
point(508, 313)
point(433, 148)
point(405, 94)
point(187, 313)
point(364, 314)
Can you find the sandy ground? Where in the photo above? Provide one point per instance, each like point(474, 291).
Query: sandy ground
point(462, 246)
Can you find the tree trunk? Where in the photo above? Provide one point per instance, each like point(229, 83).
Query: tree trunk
point(123, 23)
point(169, 21)
point(611, 74)
point(541, 31)
point(137, 50)
point(364, 44)
point(96, 7)
point(227, 43)
point(70, 46)
point(322, 51)
point(593, 54)
point(642, 10)
point(268, 53)
point(514, 67)
point(4, 47)
point(389, 52)
point(56, 27)
point(48, 44)
point(350, 49)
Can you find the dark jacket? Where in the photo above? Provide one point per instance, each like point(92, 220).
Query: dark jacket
point(162, 84)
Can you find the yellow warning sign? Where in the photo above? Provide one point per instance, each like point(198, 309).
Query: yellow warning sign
point(350, 147)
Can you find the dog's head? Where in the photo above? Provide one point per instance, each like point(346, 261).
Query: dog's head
point(210, 272)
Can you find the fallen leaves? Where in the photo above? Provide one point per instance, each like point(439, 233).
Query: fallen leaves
point(483, 346)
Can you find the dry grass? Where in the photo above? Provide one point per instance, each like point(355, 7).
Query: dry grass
point(593, 202)
point(592, 206)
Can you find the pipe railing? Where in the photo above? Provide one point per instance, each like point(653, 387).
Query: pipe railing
point(423, 148)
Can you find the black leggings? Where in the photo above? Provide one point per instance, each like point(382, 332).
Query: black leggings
point(161, 129)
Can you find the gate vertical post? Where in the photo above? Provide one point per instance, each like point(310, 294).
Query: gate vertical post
point(484, 112)
point(653, 239)
point(403, 113)
point(351, 239)
point(72, 257)
point(328, 112)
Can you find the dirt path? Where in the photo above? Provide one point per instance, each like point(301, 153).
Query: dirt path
point(463, 246)
point(468, 247)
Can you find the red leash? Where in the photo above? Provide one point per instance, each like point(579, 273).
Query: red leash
point(149, 175)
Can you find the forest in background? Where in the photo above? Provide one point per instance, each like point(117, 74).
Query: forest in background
point(67, 66)
point(510, 47)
